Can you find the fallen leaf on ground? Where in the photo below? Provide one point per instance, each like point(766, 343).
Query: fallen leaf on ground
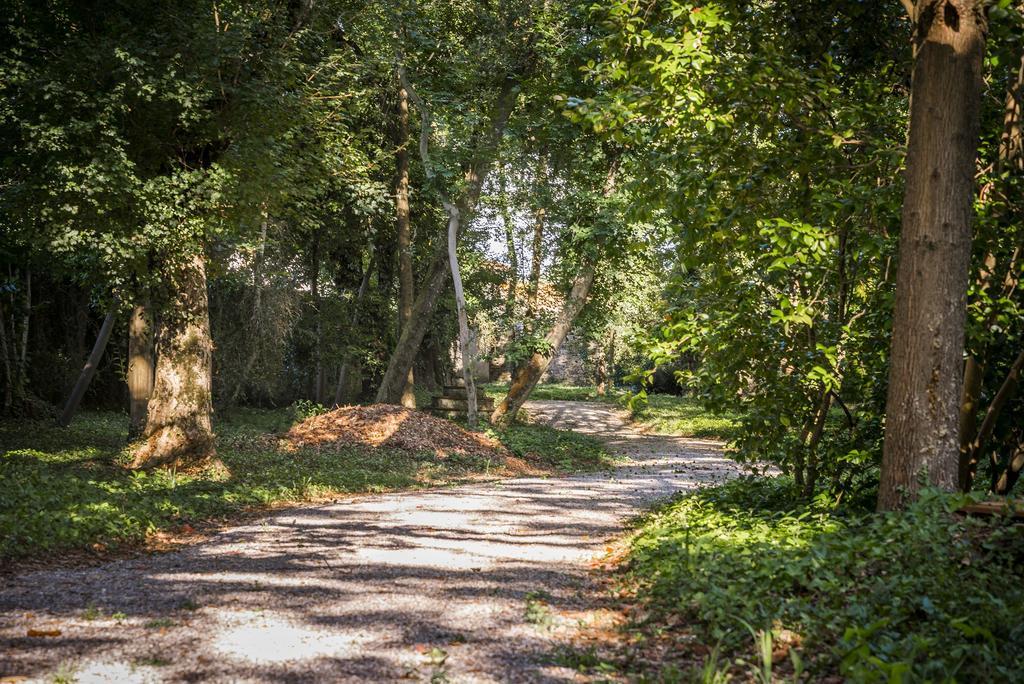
point(43, 633)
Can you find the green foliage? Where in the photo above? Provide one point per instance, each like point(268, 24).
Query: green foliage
point(924, 595)
point(65, 488)
point(304, 408)
point(665, 414)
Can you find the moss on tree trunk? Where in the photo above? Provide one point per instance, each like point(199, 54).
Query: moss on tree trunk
point(178, 427)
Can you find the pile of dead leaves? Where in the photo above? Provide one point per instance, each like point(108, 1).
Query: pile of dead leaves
point(394, 427)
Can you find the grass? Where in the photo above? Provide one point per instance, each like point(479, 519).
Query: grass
point(662, 414)
point(554, 391)
point(567, 451)
point(66, 488)
point(665, 414)
point(743, 570)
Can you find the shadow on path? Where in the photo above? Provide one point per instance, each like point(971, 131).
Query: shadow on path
point(399, 586)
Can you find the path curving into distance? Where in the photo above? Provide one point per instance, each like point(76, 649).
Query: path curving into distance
point(404, 586)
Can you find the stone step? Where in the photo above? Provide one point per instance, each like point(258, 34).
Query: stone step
point(450, 404)
point(456, 392)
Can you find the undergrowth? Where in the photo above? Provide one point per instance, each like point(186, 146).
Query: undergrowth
point(925, 595)
point(67, 488)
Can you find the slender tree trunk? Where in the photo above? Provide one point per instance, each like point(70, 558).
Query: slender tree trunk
point(1011, 158)
point(513, 256)
point(529, 374)
point(364, 286)
point(404, 355)
point(8, 371)
point(935, 245)
point(1011, 473)
point(814, 438)
point(406, 283)
point(1011, 143)
point(1006, 392)
point(257, 315)
point(537, 247)
point(318, 356)
point(89, 370)
point(26, 317)
point(178, 427)
point(140, 367)
point(468, 357)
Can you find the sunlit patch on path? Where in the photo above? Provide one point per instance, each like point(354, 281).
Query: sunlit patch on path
point(401, 586)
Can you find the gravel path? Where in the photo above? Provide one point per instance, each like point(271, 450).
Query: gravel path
point(412, 586)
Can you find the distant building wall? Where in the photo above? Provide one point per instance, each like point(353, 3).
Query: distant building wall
point(570, 364)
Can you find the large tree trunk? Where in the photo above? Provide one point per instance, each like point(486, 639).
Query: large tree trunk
point(140, 367)
point(529, 374)
point(406, 283)
point(935, 245)
point(89, 370)
point(178, 428)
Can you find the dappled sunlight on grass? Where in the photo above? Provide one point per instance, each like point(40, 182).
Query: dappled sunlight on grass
point(665, 414)
point(69, 490)
point(858, 594)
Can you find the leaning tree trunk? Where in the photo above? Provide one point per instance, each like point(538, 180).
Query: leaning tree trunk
point(178, 428)
point(411, 337)
point(406, 283)
point(460, 306)
point(89, 370)
point(140, 367)
point(925, 378)
point(529, 374)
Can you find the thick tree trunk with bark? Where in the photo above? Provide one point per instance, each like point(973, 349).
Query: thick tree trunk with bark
point(140, 367)
point(935, 245)
point(406, 283)
point(178, 428)
point(529, 374)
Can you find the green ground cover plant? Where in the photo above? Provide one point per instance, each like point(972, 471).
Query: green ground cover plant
point(68, 488)
point(923, 595)
point(667, 414)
